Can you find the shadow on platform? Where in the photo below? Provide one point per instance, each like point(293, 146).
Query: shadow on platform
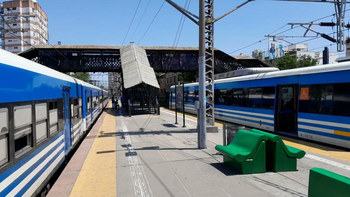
point(160, 132)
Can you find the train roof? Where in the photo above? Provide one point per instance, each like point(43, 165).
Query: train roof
point(284, 73)
point(14, 60)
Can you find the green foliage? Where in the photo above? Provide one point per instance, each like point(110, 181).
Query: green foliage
point(82, 76)
point(306, 60)
point(188, 77)
point(289, 62)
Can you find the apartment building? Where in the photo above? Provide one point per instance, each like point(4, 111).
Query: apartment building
point(23, 25)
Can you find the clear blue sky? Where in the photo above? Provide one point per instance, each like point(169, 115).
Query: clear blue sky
point(105, 22)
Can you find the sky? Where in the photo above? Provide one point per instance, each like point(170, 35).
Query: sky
point(106, 22)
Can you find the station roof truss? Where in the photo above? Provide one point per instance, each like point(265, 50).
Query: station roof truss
point(93, 58)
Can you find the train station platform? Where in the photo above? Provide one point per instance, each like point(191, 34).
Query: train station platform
point(149, 155)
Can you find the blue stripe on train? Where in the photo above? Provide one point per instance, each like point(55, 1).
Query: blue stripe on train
point(324, 126)
point(248, 115)
point(246, 109)
point(29, 85)
point(10, 187)
point(31, 182)
point(325, 134)
point(327, 118)
point(29, 157)
point(244, 119)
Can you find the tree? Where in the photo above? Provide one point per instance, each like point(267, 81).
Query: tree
point(82, 76)
point(306, 60)
point(289, 62)
point(188, 77)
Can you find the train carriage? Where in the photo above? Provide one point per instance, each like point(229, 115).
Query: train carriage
point(311, 103)
point(43, 116)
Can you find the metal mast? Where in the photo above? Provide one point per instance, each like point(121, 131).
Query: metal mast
point(206, 62)
point(209, 60)
point(340, 14)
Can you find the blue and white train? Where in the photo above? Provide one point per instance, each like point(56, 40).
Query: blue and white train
point(43, 116)
point(311, 103)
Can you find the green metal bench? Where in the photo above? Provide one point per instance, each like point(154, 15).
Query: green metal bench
point(280, 157)
point(246, 153)
point(323, 183)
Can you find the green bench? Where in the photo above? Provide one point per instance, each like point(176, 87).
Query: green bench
point(323, 183)
point(246, 153)
point(280, 157)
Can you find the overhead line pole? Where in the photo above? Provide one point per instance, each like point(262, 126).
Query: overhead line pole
point(206, 62)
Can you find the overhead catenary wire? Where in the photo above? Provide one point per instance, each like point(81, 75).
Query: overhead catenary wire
point(143, 14)
point(178, 32)
point(127, 32)
point(155, 16)
point(284, 32)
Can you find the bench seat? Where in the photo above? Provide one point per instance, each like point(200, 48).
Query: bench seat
point(280, 157)
point(246, 153)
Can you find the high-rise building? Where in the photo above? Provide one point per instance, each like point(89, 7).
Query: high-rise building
point(23, 24)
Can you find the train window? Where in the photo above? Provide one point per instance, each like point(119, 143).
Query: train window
point(80, 110)
point(75, 111)
point(255, 97)
point(52, 105)
point(23, 129)
point(196, 95)
point(4, 131)
point(191, 96)
point(341, 99)
point(53, 115)
point(221, 98)
point(326, 99)
point(41, 122)
point(239, 97)
point(186, 96)
point(22, 116)
point(309, 99)
point(88, 106)
point(268, 98)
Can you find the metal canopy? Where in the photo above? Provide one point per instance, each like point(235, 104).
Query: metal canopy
point(136, 68)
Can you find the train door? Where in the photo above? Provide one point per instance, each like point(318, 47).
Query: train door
point(91, 105)
point(67, 119)
point(286, 110)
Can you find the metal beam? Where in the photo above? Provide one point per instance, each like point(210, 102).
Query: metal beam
point(234, 9)
point(284, 36)
point(340, 6)
point(184, 11)
point(314, 1)
point(308, 29)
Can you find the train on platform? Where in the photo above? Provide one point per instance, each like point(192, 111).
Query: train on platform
point(311, 102)
point(44, 114)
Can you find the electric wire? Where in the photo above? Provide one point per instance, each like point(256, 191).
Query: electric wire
point(143, 14)
point(151, 23)
point(137, 8)
point(284, 32)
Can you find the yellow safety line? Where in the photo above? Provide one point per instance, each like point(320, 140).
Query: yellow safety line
point(98, 175)
point(307, 146)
